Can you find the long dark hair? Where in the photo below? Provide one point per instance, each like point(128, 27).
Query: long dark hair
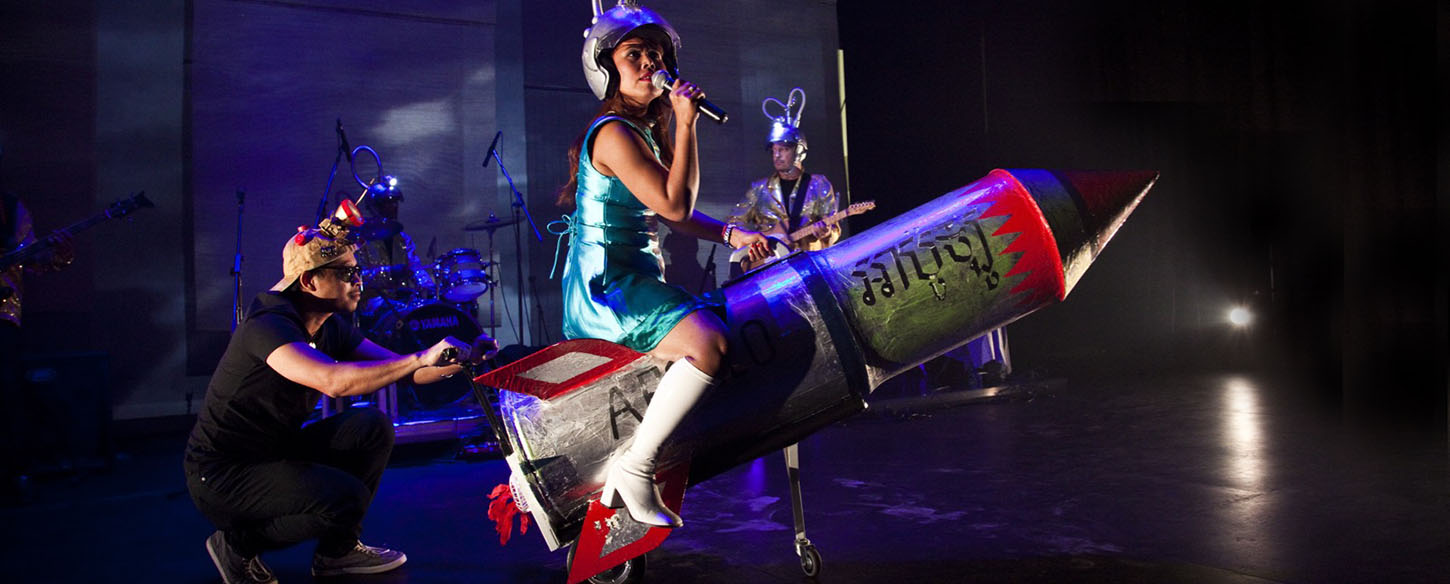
point(656, 118)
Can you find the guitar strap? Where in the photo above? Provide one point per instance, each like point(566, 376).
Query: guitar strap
point(797, 203)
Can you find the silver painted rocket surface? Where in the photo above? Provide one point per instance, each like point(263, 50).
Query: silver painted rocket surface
point(811, 335)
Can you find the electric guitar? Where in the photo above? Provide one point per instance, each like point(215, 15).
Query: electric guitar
point(833, 218)
point(116, 210)
point(739, 255)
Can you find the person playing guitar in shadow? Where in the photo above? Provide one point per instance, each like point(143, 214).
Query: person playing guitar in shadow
point(16, 231)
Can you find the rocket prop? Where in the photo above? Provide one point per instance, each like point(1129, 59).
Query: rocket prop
point(810, 335)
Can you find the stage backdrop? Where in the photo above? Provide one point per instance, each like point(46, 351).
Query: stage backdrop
point(195, 101)
point(268, 82)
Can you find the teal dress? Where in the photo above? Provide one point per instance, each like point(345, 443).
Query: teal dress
point(614, 282)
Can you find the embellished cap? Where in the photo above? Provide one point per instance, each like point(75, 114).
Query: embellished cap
point(313, 248)
point(612, 26)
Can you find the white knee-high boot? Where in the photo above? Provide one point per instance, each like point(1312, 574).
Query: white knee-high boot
point(631, 480)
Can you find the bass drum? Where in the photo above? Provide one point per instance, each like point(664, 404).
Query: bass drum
point(415, 328)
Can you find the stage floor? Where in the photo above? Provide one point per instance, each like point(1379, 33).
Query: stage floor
point(1112, 477)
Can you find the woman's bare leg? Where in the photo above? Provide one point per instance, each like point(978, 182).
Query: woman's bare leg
point(696, 346)
point(700, 338)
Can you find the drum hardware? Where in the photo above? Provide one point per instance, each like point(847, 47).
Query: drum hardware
point(490, 224)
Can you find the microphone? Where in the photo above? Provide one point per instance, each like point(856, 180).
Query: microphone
point(662, 80)
point(491, 147)
point(342, 140)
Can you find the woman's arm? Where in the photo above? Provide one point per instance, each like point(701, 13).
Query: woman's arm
point(702, 226)
point(670, 192)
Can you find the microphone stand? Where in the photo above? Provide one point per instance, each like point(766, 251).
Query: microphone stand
point(237, 263)
point(519, 206)
point(708, 274)
point(543, 330)
point(327, 192)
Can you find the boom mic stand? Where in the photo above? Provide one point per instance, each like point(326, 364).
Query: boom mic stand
point(237, 263)
point(519, 206)
point(342, 146)
point(707, 276)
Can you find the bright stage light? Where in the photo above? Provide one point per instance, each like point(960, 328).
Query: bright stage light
point(1240, 316)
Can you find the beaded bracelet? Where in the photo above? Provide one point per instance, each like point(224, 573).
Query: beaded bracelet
point(725, 233)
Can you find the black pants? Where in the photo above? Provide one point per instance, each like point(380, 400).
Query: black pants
point(322, 493)
point(12, 388)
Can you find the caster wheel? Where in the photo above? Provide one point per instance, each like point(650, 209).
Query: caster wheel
point(810, 561)
point(630, 572)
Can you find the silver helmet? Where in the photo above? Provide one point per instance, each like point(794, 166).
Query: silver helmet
point(786, 127)
point(610, 27)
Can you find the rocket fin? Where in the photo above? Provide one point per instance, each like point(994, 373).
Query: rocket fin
point(610, 537)
point(560, 368)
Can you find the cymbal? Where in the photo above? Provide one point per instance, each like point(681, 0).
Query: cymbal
point(373, 229)
point(489, 224)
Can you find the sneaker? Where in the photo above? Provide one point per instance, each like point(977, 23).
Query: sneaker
point(362, 559)
point(236, 569)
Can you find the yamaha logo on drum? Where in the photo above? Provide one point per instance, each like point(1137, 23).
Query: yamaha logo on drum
point(437, 322)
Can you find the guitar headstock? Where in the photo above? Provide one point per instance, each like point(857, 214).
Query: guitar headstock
point(128, 205)
point(862, 207)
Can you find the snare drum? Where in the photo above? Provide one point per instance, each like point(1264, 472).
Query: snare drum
point(462, 275)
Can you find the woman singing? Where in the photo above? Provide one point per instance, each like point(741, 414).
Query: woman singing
point(631, 170)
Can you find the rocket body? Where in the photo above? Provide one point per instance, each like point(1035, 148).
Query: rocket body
point(811, 335)
point(974, 259)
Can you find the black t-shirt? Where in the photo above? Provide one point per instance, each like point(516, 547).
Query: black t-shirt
point(797, 203)
point(251, 412)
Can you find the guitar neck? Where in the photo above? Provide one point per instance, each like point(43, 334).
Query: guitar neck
point(84, 224)
point(24, 254)
point(829, 220)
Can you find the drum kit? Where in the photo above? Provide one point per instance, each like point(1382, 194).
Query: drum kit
point(410, 305)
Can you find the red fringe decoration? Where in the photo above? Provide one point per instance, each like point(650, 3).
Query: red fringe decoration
point(502, 509)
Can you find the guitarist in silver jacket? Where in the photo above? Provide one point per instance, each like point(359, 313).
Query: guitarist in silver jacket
point(789, 199)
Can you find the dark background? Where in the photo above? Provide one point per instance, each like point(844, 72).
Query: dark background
point(1298, 147)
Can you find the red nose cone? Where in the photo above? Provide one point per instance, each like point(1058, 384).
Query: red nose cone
point(1107, 198)
point(1084, 209)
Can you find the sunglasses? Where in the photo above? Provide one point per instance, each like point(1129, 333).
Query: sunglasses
point(346, 273)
